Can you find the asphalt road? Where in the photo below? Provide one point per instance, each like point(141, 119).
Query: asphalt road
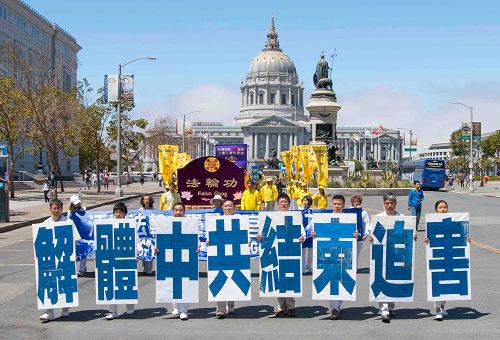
point(478, 318)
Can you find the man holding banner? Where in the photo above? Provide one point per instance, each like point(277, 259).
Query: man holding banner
point(56, 209)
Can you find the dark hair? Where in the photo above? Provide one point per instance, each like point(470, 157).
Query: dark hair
point(120, 206)
point(228, 200)
point(416, 181)
point(151, 201)
point(179, 203)
point(357, 197)
point(390, 197)
point(285, 196)
point(438, 203)
point(339, 197)
point(55, 201)
point(309, 200)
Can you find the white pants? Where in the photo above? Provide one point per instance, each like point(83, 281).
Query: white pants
point(51, 310)
point(147, 266)
point(82, 266)
point(285, 303)
point(224, 306)
point(181, 307)
point(385, 307)
point(360, 246)
point(335, 304)
point(307, 259)
point(113, 309)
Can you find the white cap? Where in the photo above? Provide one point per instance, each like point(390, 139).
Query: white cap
point(75, 200)
point(216, 197)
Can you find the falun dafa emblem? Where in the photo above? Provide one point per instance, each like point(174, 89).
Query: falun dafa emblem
point(212, 164)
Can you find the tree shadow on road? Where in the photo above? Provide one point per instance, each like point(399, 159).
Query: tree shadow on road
point(464, 313)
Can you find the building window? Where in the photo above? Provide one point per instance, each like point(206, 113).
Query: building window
point(283, 98)
point(293, 99)
point(271, 101)
point(251, 99)
point(261, 98)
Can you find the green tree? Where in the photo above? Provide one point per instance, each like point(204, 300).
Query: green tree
point(491, 145)
point(93, 118)
point(13, 122)
point(459, 147)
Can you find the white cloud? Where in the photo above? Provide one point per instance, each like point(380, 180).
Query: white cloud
point(216, 103)
point(429, 114)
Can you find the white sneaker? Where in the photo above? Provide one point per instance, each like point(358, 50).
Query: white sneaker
point(65, 313)
point(110, 316)
point(183, 316)
point(438, 317)
point(46, 317)
point(444, 312)
point(175, 311)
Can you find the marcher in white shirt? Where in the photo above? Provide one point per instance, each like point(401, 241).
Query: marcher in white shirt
point(56, 209)
point(390, 204)
point(356, 201)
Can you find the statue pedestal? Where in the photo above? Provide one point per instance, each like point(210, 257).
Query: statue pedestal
point(338, 172)
point(323, 109)
point(377, 173)
point(271, 173)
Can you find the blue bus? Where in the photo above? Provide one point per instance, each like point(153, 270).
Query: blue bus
point(429, 172)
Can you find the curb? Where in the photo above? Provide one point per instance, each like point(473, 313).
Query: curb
point(23, 224)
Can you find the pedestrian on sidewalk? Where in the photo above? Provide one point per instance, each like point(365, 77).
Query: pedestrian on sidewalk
point(415, 198)
point(141, 180)
point(56, 209)
point(45, 189)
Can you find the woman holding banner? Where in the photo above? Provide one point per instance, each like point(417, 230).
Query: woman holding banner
point(307, 245)
point(441, 207)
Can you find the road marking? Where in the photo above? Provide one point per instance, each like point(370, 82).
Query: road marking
point(485, 246)
point(15, 264)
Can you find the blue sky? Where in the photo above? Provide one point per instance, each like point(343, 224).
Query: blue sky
point(399, 64)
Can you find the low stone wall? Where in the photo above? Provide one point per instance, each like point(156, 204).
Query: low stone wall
point(348, 192)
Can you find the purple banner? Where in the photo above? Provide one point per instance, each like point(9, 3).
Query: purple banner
point(203, 178)
point(236, 153)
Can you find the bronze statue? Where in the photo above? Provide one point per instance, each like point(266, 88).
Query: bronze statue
point(273, 162)
point(371, 163)
point(331, 152)
point(321, 78)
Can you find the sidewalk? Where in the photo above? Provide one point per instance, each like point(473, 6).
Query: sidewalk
point(492, 189)
point(29, 205)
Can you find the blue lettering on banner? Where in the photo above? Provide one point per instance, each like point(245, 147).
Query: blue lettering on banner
point(334, 256)
point(115, 262)
point(177, 269)
point(269, 257)
point(235, 261)
point(448, 265)
point(56, 269)
point(399, 248)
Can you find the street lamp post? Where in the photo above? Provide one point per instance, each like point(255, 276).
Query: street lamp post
point(184, 127)
point(471, 161)
point(119, 190)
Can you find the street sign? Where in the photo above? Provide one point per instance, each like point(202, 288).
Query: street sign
point(465, 138)
point(411, 149)
point(3, 151)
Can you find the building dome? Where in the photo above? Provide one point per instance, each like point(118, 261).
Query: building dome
point(272, 61)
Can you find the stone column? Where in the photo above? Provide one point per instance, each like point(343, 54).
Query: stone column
point(289, 101)
point(256, 146)
point(250, 146)
point(279, 145)
point(295, 140)
point(267, 146)
point(290, 142)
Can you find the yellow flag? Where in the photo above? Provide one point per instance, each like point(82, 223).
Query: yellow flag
point(322, 160)
point(304, 161)
point(167, 159)
point(287, 160)
point(181, 160)
point(313, 164)
point(295, 160)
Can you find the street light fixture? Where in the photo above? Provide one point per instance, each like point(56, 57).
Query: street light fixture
point(184, 127)
point(119, 190)
point(471, 162)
